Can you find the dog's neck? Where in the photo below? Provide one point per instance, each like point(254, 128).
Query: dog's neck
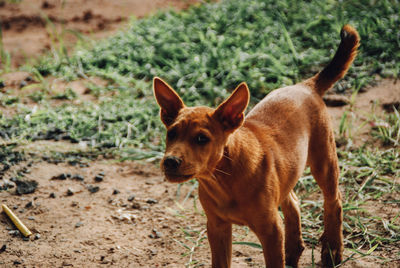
point(240, 162)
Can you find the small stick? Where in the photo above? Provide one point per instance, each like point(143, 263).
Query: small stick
point(21, 227)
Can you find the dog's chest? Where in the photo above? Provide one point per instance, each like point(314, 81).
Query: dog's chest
point(231, 212)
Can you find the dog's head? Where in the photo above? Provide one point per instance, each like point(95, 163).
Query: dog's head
point(196, 136)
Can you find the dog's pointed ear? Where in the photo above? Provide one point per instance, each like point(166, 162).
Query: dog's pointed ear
point(231, 112)
point(168, 100)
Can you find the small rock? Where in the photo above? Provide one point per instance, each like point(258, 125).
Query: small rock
point(3, 248)
point(93, 189)
point(22, 84)
point(52, 195)
point(153, 252)
point(13, 232)
point(78, 177)
point(17, 262)
point(335, 100)
point(70, 192)
point(116, 191)
point(78, 224)
point(15, 207)
point(29, 204)
point(36, 237)
point(74, 204)
point(389, 106)
point(249, 259)
point(25, 238)
point(26, 187)
point(62, 176)
point(155, 234)
point(136, 205)
point(98, 178)
point(31, 218)
point(2, 84)
point(131, 197)
point(151, 201)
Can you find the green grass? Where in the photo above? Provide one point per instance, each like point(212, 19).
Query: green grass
point(204, 53)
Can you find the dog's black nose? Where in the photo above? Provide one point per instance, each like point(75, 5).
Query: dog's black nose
point(172, 162)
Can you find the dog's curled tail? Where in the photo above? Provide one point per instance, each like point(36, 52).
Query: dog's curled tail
point(340, 63)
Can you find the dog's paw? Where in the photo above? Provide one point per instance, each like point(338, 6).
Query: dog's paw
point(332, 252)
point(293, 254)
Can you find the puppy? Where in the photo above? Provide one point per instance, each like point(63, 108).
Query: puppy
point(247, 166)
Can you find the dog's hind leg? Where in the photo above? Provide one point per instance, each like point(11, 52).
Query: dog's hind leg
point(325, 169)
point(294, 244)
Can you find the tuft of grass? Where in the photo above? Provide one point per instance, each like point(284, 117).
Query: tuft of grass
point(5, 57)
point(388, 129)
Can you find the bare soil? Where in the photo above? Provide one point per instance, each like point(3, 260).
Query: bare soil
point(160, 227)
point(27, 32)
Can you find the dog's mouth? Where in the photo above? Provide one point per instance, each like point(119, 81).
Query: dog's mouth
point(176, 177)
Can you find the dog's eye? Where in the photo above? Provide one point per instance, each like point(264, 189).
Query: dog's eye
point(171, 134)
point(202, 139)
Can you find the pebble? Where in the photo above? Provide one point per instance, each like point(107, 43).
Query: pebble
point(98, 178)
point(25, 238)
point(29, 204)
point(70, 192)
point(31, 218)
point(93, 189)
point(131, 197)
point(36, 237)
point(116, 191)
point(155, 234)
point(3, 248)
point(52, 195)
point(151, 201)
point(78, 177)
point(26, 187)
point(136, 206)
point(13, 232)
point(78, 224)
point(61, 176)
point(17, 262)
point(249, 259)
point(22, 84)
point(2, 84)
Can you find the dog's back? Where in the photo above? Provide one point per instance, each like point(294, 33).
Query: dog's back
point(296, 116)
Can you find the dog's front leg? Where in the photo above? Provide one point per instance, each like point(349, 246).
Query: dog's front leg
point(269, 231)
point(219, 234)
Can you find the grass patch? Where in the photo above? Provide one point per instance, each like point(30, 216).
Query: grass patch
point(203, 52)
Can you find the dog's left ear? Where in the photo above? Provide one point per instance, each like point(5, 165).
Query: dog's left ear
point(168, 99)
point(231, 112)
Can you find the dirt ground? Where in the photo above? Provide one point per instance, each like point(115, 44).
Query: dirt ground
point(134, 218)
point(27, 33)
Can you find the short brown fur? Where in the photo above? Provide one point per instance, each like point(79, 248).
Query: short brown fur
point(247, 167)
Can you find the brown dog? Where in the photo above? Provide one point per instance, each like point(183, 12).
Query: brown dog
point(247, 168)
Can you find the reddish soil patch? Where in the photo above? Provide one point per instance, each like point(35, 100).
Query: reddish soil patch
point(26, 29)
